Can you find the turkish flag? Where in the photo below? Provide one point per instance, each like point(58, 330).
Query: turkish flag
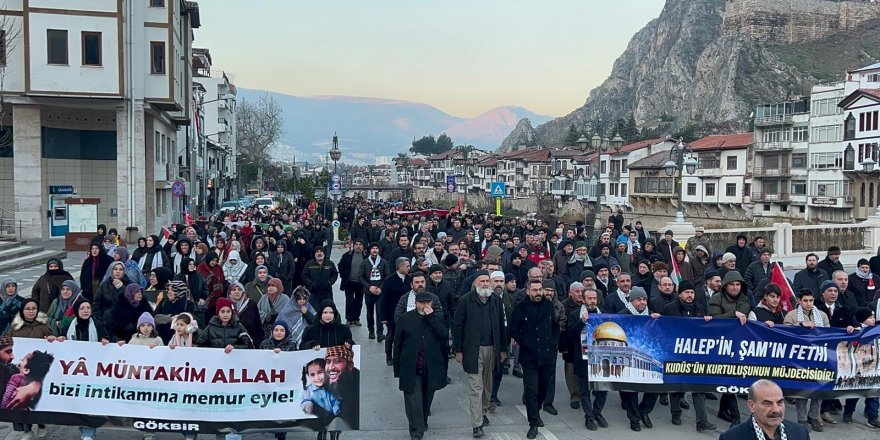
point(778, 277)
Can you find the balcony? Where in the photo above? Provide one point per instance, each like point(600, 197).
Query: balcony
point(772, 120)
point(761, 171)
point(767, 197)
point(773, 146)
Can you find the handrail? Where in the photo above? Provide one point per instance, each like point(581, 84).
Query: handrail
point(6, 211)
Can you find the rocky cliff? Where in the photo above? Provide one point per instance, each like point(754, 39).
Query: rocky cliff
point(684, 67)
point(522, 135)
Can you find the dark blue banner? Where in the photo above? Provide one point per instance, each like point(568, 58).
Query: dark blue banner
point(668, 354)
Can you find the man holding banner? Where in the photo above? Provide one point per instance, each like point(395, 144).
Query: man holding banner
point(638, 412)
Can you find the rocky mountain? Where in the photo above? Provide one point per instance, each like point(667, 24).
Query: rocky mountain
point(522, 134)
point(373, 127)
point(686, 67)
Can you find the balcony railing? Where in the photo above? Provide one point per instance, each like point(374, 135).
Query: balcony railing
point(773, 146)
point(773, 120)
point(761, 171)
point(770, 197)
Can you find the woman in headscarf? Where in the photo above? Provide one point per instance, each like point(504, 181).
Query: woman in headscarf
point(177, 300)
point(58, 311)
point(154, 256)
point(234, 269)
point(129, 307)
point(159, 278)
point(30, 322)
point(131, 268)
point(212, 273)
point(190, 275)
point(247, 312)
point(220, 247)
point(298, 313)
point(201, 250)
point(10, 303)
point(257, 288)
point(329, 331)
point(140, 250)
point(93, 269)
point(250, 274)
point(271, 303)
point(48, 285)
point(110, 290)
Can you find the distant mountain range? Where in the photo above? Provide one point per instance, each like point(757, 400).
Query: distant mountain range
point(375, 127)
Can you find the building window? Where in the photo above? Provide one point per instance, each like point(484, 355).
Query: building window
point(826, 107)
point(826, 133)
point(708, 161)
point(56, 41)
point(692, 189)
point(868, 121)
point(622, 190)
point(799, 160)
point(157, 3)
point(710, 189)
point(602, 167)
point(799, 187)
point(800, 134)
point(623, 165)
point(731, 162)
point(874, 77)
point(91, 48)
point(766, 207)
point(821, 161)
point(2, 47)
point(730, 190)
point(157, 57)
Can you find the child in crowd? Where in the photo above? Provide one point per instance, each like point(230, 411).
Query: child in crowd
point(146, 334)
point(279, 341)
point(185, 328)
point(314, 393)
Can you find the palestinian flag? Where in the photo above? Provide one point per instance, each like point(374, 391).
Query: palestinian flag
point(777, 276)
point(675, 273)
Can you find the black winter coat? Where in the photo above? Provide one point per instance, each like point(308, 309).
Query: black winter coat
point(415, 332)
point(392, 290)
point(326, 335)
point(86, 282)
point(106, 297)
point(466, 329)
point(216, 335)
point(124, 317)
point(535, 328)
point(320, 277)
point(345, 270)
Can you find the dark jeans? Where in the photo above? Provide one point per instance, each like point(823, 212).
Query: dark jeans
point(317, 298)
point(551, 385)
point(699, 405)
point(417, 405)
point(536, 379)
point(728, 403)
point(591, 409)
point(634, 409)
point(872, 405)
point(354, 302)
point(373, 313)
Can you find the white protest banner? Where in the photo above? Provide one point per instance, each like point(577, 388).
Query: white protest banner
point(184, 389)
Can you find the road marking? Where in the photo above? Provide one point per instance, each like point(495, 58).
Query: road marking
point(544, 431)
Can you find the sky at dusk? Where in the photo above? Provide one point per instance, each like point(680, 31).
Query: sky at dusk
point(461, 56)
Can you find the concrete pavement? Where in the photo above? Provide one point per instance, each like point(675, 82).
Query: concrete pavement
point(383, 418)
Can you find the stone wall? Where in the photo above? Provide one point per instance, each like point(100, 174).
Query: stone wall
point(792, 21)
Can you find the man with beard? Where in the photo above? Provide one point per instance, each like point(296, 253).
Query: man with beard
point(577, 321)
point(638, 412)
point(407, 302)
point(666, 296)
point(535, 328)
point(648, 252)
point(24, 394)
point(730, 303)
point(388, 244)
point(572, 304)
point(403, 249)
point(437, 253)
point(685, 305)
point(497, 279)
point(758, 270)
point(699, 239)
point(478, 341)
point(319, 275)
point(831, 262)
point(394, 287)
point(812, 277)
point(419, 355)
point(350, 282)
point(561, 257)
point(373, 272)
point(579, 261)
point(767, 405)
point(604, 282)
point(548, 272)
point(344, 383)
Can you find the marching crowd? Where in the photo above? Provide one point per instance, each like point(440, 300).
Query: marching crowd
point(500, 296)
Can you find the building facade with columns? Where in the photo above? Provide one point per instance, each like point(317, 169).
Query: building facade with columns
point(94, 94)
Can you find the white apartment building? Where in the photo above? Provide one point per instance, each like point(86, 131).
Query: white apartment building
point(94, 94)
point(861, 134)
point(614, 169)
point(722, 181)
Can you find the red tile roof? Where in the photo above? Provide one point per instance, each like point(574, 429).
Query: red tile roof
point(639, 145)
point(724, 141)
point(444, 155)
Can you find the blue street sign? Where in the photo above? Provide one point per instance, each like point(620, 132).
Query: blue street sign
point(178, 189)
point(450, 184)
point(60, 189)
point(498, 189)
point(335, 184)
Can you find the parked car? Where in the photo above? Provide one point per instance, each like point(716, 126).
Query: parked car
point(265, 202)
point(229, 206)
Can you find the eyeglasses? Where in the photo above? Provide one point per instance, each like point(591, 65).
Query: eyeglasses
point(30, 309)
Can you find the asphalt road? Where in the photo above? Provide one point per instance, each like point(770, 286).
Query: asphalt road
point(383, 418)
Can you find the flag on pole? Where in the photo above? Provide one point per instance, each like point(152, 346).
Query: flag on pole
point(777, 276)
point(676, 273)
point(165, 234)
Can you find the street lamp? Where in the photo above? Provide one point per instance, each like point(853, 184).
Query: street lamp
point(335, 155)
point(403, 164)
point(678, 162)
point(868, 165)
point(598, 145)
point(466, 160)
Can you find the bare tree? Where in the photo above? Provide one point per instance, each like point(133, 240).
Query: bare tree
point(10, 36)
point(259, 125)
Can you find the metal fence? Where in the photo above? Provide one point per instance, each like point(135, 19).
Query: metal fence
point(820, 238)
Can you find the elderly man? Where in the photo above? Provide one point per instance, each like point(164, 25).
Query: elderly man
point(572, 304)
point(535, 328)
point(479, 342)
point(767, 405)
point(730, 303)
point(638, 412)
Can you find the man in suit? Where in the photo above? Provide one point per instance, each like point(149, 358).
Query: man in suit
point(767, 405)
point(393, 288)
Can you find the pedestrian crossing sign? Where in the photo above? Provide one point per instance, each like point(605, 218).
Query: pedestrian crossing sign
point(498, 189)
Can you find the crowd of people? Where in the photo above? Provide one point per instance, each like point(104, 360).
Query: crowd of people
point(500, 296)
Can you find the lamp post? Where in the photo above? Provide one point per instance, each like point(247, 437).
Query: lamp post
point(335, 155)
point(403, 164)
point(679, 163)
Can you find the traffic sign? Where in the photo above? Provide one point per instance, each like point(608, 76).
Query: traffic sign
point(335, 223)
point(178, 189)
point(450, 184)
point(499, 189)
point(335, 185)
